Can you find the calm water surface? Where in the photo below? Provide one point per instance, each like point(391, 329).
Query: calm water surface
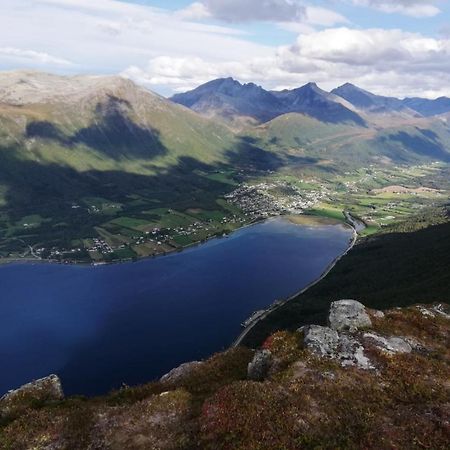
point(100, 327)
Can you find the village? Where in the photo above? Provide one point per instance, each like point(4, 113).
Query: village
point(250, 202)
point(261, 201)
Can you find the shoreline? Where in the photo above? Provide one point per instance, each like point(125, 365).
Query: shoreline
point(174, 251)
point(278, 304)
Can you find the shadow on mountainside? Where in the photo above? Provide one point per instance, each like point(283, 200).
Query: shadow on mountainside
point(112, 133)
point(425, 145)
point(248, 154)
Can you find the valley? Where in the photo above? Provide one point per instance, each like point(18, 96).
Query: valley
point(99, 170)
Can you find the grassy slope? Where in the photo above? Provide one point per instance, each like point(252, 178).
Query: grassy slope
point(384, 271)
point(153, 132)
point(120, 144)
point(409, 142)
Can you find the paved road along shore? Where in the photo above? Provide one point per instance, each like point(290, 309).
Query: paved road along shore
point(352, 223)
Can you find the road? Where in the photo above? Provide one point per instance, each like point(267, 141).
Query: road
point(278, 305)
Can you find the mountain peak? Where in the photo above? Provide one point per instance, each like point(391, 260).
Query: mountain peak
point(310, 88)
point(25, 86)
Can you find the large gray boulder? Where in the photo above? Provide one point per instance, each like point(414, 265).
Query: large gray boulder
point(48, 389)
point(348, 315)
point(258, 368)
point(322, 341)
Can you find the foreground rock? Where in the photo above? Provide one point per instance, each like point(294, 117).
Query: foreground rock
point(342, 347)
point(179, 373)
point(260, 365)
point(348, 315)
point(323, 341)
point(349, 348)
point(48, 389)
point(390, 344)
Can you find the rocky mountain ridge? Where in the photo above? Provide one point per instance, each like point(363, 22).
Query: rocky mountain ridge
point(228, 99)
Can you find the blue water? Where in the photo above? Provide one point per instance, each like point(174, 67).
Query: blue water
point(100, 327)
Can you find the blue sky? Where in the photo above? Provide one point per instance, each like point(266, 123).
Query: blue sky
point(392, 47)
point(361, 17)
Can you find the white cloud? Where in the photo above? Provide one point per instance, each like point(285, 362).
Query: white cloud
point(30, 57)
point(106, 36)
point(389, 62)
point(323, 16)
point(253, 10)
point(169, 52)
point(195, 11)
point(414, 8)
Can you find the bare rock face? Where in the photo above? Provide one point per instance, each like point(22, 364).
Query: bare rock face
point(348, 315)
point(46, 389)
point(322, 341)
point(177, 374)
point(260, 365)
point(351, 353)
point(390, 344)
point(341, 347)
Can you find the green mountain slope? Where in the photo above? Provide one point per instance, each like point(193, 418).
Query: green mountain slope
point(99, 157)
point(385, 142)
point(103, 123)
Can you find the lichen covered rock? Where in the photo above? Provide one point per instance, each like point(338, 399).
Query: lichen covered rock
point(259, 366)
point(348, 315)
point(321, 340)
point(391, 344)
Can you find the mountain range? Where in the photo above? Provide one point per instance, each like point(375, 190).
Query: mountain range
point(232, 101)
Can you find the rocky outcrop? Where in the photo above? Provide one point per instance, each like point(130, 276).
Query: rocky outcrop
point(44, 390)
point(348, 315)
point(180, 372)
point(259, 366)
point(390, 344)
point(342, 347)
point(349, 347)
point(323, 341)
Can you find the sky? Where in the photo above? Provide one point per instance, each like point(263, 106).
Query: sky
point(390, 47)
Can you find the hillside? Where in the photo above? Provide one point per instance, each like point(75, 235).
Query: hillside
point(96, 149)
point(107, 123)
point(391, 141)
point(370, 379)
point(382, 271)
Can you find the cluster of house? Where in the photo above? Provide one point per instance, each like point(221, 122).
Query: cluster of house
point(263, 199)
point(100, 246)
